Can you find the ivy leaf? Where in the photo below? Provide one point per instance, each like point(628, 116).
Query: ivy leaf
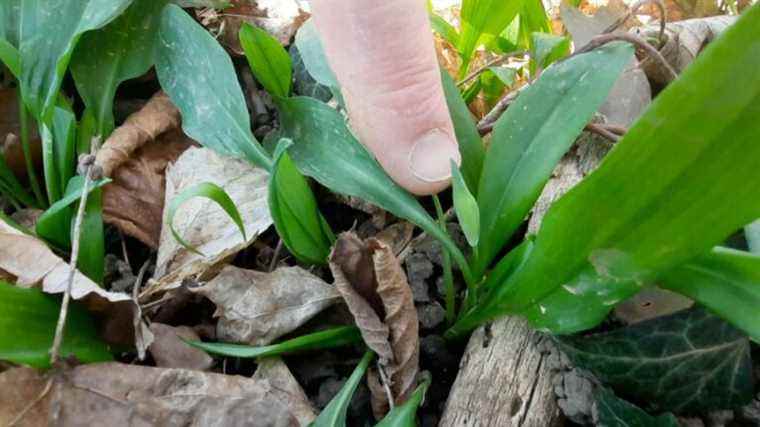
point(269, 61)
point(616, 412)
point(689, 362)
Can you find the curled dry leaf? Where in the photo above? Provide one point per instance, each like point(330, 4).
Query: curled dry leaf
point(202, 223)
point(256, 307)
point(375, 287)
point(105, 393)
point(170, 351)
point(135, 156)
point(29, 262)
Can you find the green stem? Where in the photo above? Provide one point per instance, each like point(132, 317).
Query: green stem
point(448, 276)
point(27, 150)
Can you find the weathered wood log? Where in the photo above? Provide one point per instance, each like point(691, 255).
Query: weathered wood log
point(505, 379)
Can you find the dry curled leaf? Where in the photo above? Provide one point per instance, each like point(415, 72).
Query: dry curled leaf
point(119, 394)
point(170, 351)
point(256, 307)
point(202, 223)
point(365, 273)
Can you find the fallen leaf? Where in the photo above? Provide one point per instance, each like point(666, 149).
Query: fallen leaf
point(144, 396)
point(256, 307)
point(365, 273)
point(650, 303)
point(285, 388)
point(397, 236)
point(202, 223)
point(170, 351)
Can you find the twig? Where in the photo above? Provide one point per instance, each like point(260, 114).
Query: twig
point(485, 125)
point(603, 131)
point(32, 404)
point(275, 256)
point(496, 61)
point(603, 39)
point(86, 162)
point(634, 9)
point(386, 384)
point(124, 249)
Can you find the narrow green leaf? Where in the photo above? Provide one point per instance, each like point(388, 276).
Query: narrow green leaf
point(27, 326)
point(294, 211)
point(616, 412)
point(91, 261)
point(726, 281)
point(548, 48)
point(532, 136)
point(533, 18)
point(48, 35)
point(690, 361)
point(406, 415)
point(210, 191)
point(122, 50)
point(505, 74)
point(200, 79)
point(752, 233)
point(470, 145)
point(465, 206)
point(334, 414)
point(64, 145)
point(330, 338)
point(444, 29)
point(483, 17)
point(269, 61)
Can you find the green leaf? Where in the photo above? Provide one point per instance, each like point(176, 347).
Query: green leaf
point(616, 412)
point(10, 56)
point(198, 76)
point(64, 145)
point(334, 414)
point(661, 197)
point(11, 187)
point(327, 151)
point(210, 191)
point(533, 18)
point(726, 281)
point(313, 55)
point(122, 50)
point(269, 61)
point(28, 324)
point(532, 136)
point(548, 48)
point(688, 362)
point(444, 29)
point(294, 211)
point(465, 206)
point(330, 338)
point(470, 145)
point(91, 261)
point(752, 233)
point(48, 35)
point(505, 74)
point(54, 225)
point(483, 17)
point(406, 415)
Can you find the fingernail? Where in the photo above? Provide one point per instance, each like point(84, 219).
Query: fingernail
point(431, 155)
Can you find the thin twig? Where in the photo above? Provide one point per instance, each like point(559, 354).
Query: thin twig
point(386, 384)
point(275, 256)
point(496, 61)
point(603, 131)
point(653, 53)
point(32, 404)
point(87, 162)
point(485, 125)
point(633, 10)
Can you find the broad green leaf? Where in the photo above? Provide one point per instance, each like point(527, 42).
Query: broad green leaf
point(294, 211)
point(548, 48)
point(660, 197)
point(479, 17)
point(122, 50)
point(27, 326)
point(470, 145)
point(505, 74)
point(91, 261)
point(752, 233)
point(533, 18)
point(466, 207)
point(330, 338)
point(198, 76)
point(54, 225)
point(616, 412)
point(726, 281)
point(334, 414)
point(444, 29)
point(325, 150)
point(406, 415)
point(690, 361)
point(313, 55)
point(10, 56)
point(210, 191)
point(10, 21)
point(269, 61)
point(49, 31)
point(532, 136)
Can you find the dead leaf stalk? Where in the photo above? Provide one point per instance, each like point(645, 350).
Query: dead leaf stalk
point(653, 53)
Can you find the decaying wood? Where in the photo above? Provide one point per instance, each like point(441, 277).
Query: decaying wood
point(505, 379)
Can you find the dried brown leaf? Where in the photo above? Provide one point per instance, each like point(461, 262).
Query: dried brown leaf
point(285, 388)
point(395, 338)
point(170, 351)
point(398, 236)
point(651, 303)
point(202, 223)
point(119, 394)
point(256, 307)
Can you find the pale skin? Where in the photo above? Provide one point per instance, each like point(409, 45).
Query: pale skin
point(383, 55)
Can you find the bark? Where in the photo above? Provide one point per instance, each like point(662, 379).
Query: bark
point(505, 379)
